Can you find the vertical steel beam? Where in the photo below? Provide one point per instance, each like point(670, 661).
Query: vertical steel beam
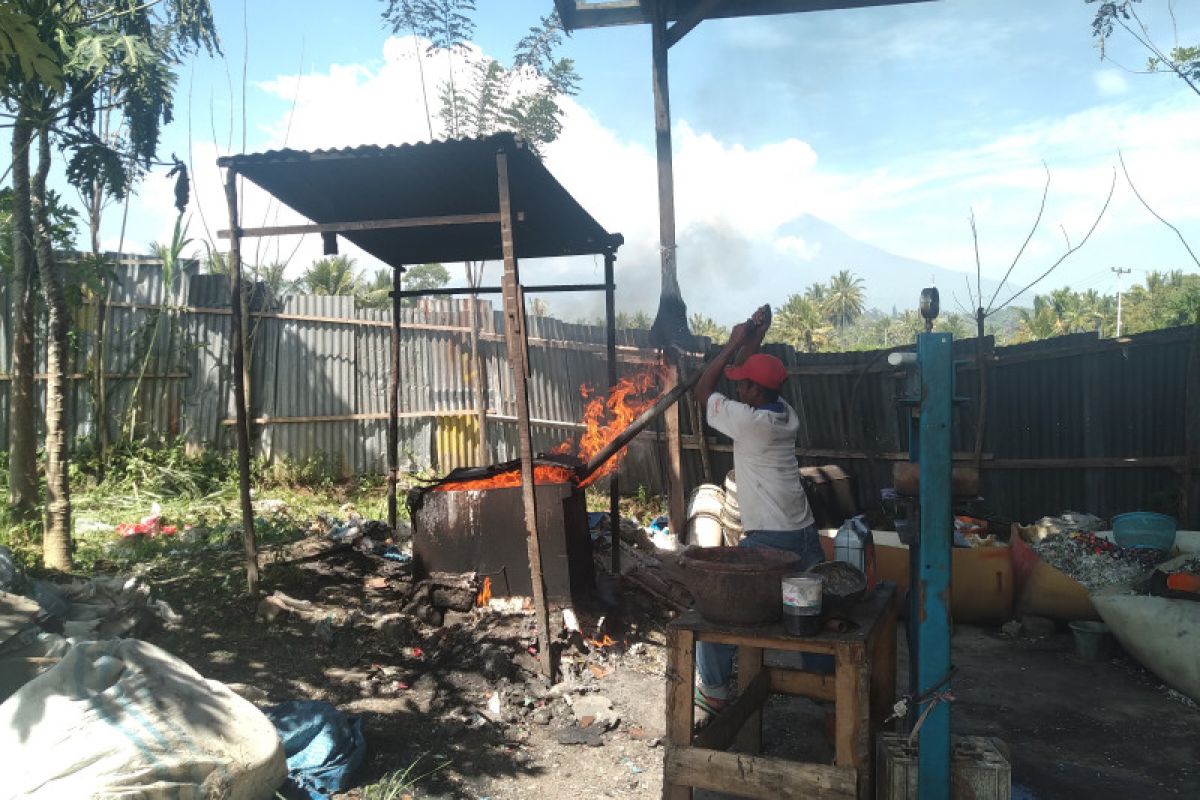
point(932, 584)
point(239, 381)
point(393, 428)
point(518, 357)
point(614, 490)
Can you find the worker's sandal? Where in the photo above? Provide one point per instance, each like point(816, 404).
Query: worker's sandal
point(712, 706)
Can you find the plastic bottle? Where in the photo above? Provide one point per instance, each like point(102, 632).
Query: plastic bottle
point(855, 545)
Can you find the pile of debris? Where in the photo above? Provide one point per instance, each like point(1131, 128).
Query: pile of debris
point(1095, 562)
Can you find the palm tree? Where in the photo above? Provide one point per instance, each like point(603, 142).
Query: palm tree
point(330, 276)
point(800, 323)
point(706, 326)
point(817, 293)
point(1040, 322)
point(377, 292)
point(956, 325)
point(271, 276)
point(845, 300)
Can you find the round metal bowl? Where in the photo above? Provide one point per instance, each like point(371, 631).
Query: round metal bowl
point(738, 585)
point(845, 584)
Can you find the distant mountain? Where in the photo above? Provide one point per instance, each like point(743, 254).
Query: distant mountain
point(724, 273)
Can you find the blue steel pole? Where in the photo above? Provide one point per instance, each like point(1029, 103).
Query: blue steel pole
point(935, 360)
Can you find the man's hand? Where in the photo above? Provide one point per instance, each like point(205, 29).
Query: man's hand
point(761, 319)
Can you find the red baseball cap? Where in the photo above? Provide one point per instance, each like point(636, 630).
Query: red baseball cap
point(761, 368)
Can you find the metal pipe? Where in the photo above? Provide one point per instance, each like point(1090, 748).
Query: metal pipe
point(614, 489)
point(638, 425)
point(543, 289)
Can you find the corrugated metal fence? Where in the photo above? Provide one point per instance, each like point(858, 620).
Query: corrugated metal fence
point(1095, 425)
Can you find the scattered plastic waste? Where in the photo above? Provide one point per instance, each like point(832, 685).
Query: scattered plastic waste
point(324, 747)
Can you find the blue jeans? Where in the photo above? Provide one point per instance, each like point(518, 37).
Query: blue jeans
point(714, 662)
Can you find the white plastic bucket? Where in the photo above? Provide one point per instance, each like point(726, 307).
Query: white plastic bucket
point(704, 526)
point(731, 515)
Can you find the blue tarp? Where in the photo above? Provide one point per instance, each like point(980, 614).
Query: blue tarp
point(324, 747)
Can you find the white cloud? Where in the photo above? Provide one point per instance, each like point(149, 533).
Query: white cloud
point(1110, 82)
point(797, 247)
point(916, 204)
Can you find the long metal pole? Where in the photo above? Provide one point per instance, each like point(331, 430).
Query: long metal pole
point(518, 358)
point(239, 382)
point(671, 311)
point(393, 428)
point(614, 489)
point(935, 359)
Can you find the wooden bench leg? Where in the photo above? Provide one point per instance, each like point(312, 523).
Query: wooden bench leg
point(681, 713)
point(883, 671)
point(852, 683)
point(750, 663)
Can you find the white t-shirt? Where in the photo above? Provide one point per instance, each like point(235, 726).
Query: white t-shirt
point(770, 495)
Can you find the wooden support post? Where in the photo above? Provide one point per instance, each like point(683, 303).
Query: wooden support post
point(744, 711)
point(883, 670)
point(750, 672)
point(518, 358)
point(852, 729)
point(393, 428)
point(614, 489)
point(676, 499)
point(239, 382)
point(480, 381)
point(681, 713)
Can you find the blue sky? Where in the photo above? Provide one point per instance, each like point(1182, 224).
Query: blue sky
point(889, 123)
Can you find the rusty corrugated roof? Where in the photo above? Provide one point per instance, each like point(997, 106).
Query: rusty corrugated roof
point(430, 179)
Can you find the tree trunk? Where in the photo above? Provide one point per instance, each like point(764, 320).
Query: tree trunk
point(56, 540)
point(22, 408)
point(99, 390)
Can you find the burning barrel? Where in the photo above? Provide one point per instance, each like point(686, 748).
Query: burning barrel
point(473, 521)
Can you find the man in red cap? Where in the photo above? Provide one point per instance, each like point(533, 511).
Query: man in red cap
point(772, 502)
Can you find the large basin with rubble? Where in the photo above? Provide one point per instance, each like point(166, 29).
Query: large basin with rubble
point(738, 585)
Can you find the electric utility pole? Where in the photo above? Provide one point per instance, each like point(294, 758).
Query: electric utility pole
point(1120, 272)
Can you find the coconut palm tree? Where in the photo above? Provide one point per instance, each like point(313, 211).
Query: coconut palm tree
point(845, 298)
point(706, 326)
point(331, 276)
point(802, 324)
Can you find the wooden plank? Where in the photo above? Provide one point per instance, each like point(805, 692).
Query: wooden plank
point(755, 776)
point(767, 641)
point(366, 225)
point(676, 494)
point(239, 387)
point(852, 729)
point(689, 20)
point(518, 360)
point(802, 684)
point(750, 675)
point(720, 733)
point(681, 713)
point(393, 404)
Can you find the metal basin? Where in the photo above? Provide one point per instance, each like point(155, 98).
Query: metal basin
point(738, 585)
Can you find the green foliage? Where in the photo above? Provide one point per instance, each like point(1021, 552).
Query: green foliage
point(331, 276)
point(423, 276)
point(522, 98)
point(22, 51)
point(1183, 61)
point(844, 301)
point(801, 323)
point(397, 785)
point(64, 222)
point(706, 326)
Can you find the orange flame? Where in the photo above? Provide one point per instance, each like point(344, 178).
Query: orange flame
point(485, 593)
point(542, 473)
point(604, 417)
point(607, 641)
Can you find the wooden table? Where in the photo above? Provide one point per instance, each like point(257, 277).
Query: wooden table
point(863, 689)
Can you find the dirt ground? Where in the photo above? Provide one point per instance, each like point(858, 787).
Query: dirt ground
point(1074, 729)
